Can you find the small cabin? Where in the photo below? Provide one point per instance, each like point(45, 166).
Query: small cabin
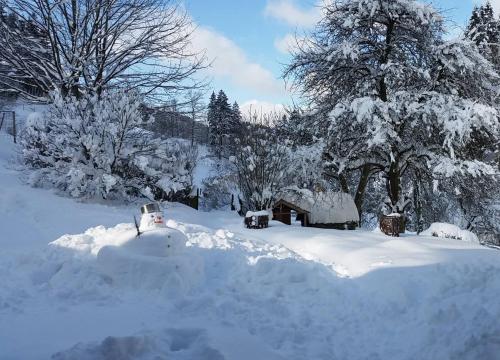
point(283, 211)
point(326, 209)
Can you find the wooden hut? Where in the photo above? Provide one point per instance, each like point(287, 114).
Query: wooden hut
point(326, 209)
point(282, 211)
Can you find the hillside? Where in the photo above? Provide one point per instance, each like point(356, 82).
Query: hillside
point(279, 293)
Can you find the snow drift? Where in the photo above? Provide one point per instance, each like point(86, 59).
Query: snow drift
point(450, 231)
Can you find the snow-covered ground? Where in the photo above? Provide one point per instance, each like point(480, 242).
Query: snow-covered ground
point(284, 292)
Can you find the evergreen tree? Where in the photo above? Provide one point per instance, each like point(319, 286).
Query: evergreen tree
point(484, 30)
point(236, 115)
point(224, 116)
point(224, 122)
point(235, 123)
point(211, 119)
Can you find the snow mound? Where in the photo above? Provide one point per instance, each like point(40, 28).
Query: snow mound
point(158, 243)
point(450, 231)
point(155, 260)
point(171, 343)
point(158, 259)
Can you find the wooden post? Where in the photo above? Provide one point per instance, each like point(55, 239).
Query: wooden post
point(14, 126)
point(1, 122)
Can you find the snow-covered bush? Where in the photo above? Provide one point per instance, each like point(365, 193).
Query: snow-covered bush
point(219, 191)
point(450, 231)
point(95, 147)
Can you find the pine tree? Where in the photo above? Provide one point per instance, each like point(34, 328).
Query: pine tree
point(235, 123)
point(484, 30)
point(236, 115)
point(224, 121)
point(224, 114)
point(211, 119)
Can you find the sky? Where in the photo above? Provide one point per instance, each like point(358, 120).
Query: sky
point(246, 42)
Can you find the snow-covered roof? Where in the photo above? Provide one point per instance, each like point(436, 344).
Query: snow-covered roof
point(328, 207)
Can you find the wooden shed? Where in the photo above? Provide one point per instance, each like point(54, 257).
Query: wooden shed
point(326, 209)
point(282, 211)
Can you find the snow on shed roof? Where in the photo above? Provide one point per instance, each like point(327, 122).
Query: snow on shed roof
point(329, 207)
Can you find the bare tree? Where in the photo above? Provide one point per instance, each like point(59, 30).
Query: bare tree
point(196, 108)
point(94, 45)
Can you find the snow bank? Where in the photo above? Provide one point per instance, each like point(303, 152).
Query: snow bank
point(256, 298)
point(450, 231)
point(171, 343)
point(155, 260)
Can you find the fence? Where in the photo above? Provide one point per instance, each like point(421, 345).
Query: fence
point(8, 124)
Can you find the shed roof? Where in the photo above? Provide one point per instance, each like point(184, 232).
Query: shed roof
point(290, 205)
point(328, 207)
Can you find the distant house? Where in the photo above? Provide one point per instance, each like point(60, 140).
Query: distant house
point(328, 209)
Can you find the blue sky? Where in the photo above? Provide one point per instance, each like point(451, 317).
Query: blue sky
point(247, 39)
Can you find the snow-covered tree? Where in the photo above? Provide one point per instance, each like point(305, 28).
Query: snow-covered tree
point(396, 97)
point(96, 147)
point(484, 30)
point(297, 127)
point(261, 162)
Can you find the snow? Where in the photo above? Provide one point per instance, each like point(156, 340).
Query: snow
point(394, 215)
point(324, 207)
point(450, 231)
point(75, 283)
point(257, 213)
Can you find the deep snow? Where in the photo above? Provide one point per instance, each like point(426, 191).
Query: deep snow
point(284, 292)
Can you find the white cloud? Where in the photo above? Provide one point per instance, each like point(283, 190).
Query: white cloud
point(285, 44)
point(231, 62)
point(288, 43)
point(496, 6)
point(289, 12)
point(260, 107)
point(494, 3)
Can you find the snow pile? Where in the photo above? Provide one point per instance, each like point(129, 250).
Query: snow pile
point(155, 260)
point(252, 293)
point(171, 343)
point(450, 231)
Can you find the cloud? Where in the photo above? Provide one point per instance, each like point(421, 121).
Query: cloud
point(260, 107)
point(494, 3)
point(288, 43)
point(496, 6)
point(290, 13)
point(285, 44)
point(231, 62)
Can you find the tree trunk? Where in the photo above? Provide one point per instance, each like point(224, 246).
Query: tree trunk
point(417, 204)
point(344, 186)
point(360, 192)
point(394, 186)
